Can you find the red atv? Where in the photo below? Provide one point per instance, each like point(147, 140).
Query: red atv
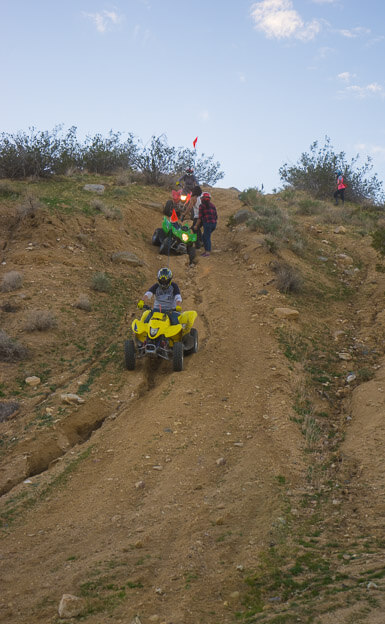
point(179, 201)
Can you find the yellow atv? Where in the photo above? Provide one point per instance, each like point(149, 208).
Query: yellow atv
point(154, 336)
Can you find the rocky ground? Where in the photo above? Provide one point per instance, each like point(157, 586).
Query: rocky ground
point(247, 488)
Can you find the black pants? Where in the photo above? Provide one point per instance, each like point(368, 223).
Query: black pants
point(339, 193)
point(198, 243)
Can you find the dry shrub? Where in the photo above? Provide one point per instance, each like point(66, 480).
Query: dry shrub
point(101, 282)
point(109, 212)
point(289, 278)
point(98, 204)
point(123, 177)
point(331, 216)
point(7, 408)
point(112, 213)
point(28, 208)
point(83, 303)
point(11, 350)
point(11, 281)
point(40, 320)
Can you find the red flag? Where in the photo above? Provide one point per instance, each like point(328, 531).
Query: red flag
point(195, 142)
point(174, 216)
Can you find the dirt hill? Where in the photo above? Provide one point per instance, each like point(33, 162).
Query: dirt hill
point(247, 488)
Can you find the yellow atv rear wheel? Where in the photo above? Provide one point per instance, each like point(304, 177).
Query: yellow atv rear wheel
point(177, 356)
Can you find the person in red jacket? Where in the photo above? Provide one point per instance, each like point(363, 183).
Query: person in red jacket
point(340, 188)
point(208, 218)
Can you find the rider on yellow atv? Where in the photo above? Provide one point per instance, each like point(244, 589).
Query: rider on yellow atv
point(167, 297)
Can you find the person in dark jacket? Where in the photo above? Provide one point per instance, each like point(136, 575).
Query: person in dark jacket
point(188, 180)
point(208, 218)
point(167, 296)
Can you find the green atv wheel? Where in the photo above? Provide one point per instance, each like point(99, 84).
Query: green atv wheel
point(165, 246)
point(129, 354)
point(177, 356)
point(158, 237)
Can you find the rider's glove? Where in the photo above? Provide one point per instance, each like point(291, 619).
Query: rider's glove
point(178, 308)
point(140, 304)
point(177, 183)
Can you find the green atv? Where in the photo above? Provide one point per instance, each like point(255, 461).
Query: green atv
point(175, 237)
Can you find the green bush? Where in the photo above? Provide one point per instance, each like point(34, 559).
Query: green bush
point(315, 174)
point(101, 282)
point(251, 196)
point(40, 154)
point(378, 240)
point(307, 207)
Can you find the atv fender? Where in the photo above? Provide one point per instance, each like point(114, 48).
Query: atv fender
point(187, 318)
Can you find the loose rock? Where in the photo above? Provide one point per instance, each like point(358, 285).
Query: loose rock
point(71, 606)
point(94, 188)
point(289, 313)
point(127, 257)
point(33, 381)
point(71, 399)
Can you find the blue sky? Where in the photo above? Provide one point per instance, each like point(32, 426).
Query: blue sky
point(257, 82)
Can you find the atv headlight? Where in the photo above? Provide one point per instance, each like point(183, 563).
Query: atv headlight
point(153, 331)
point(184, 237)
point(183, 197)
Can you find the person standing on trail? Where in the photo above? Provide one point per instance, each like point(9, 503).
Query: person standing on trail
point(167, 296)
point(188, 180)
point(340, 188)
point(208, 218)
point(192, 212)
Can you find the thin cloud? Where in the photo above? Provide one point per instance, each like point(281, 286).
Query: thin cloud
point(346, 76)
point(141, 35)
point(325, 1)
point(353, 33)
point(372, 150)
point(277, 19)
point(104, 20)
point(242, 77)
point(204, 115)
point(362, 92)
point(324, 53)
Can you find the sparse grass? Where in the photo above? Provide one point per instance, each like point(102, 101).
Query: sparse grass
point(11, 281)
point(11, 350)
point(7, 191)
point(40, 320)
point(101, 282)
point(308, 207)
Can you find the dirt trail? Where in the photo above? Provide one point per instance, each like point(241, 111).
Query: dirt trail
point(208, 445)
point(179, 490)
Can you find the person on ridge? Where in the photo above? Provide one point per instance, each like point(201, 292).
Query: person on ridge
point(188, 180)
point(208, 218)
point(167, 297)
point(192, 212)
point(340, 188)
